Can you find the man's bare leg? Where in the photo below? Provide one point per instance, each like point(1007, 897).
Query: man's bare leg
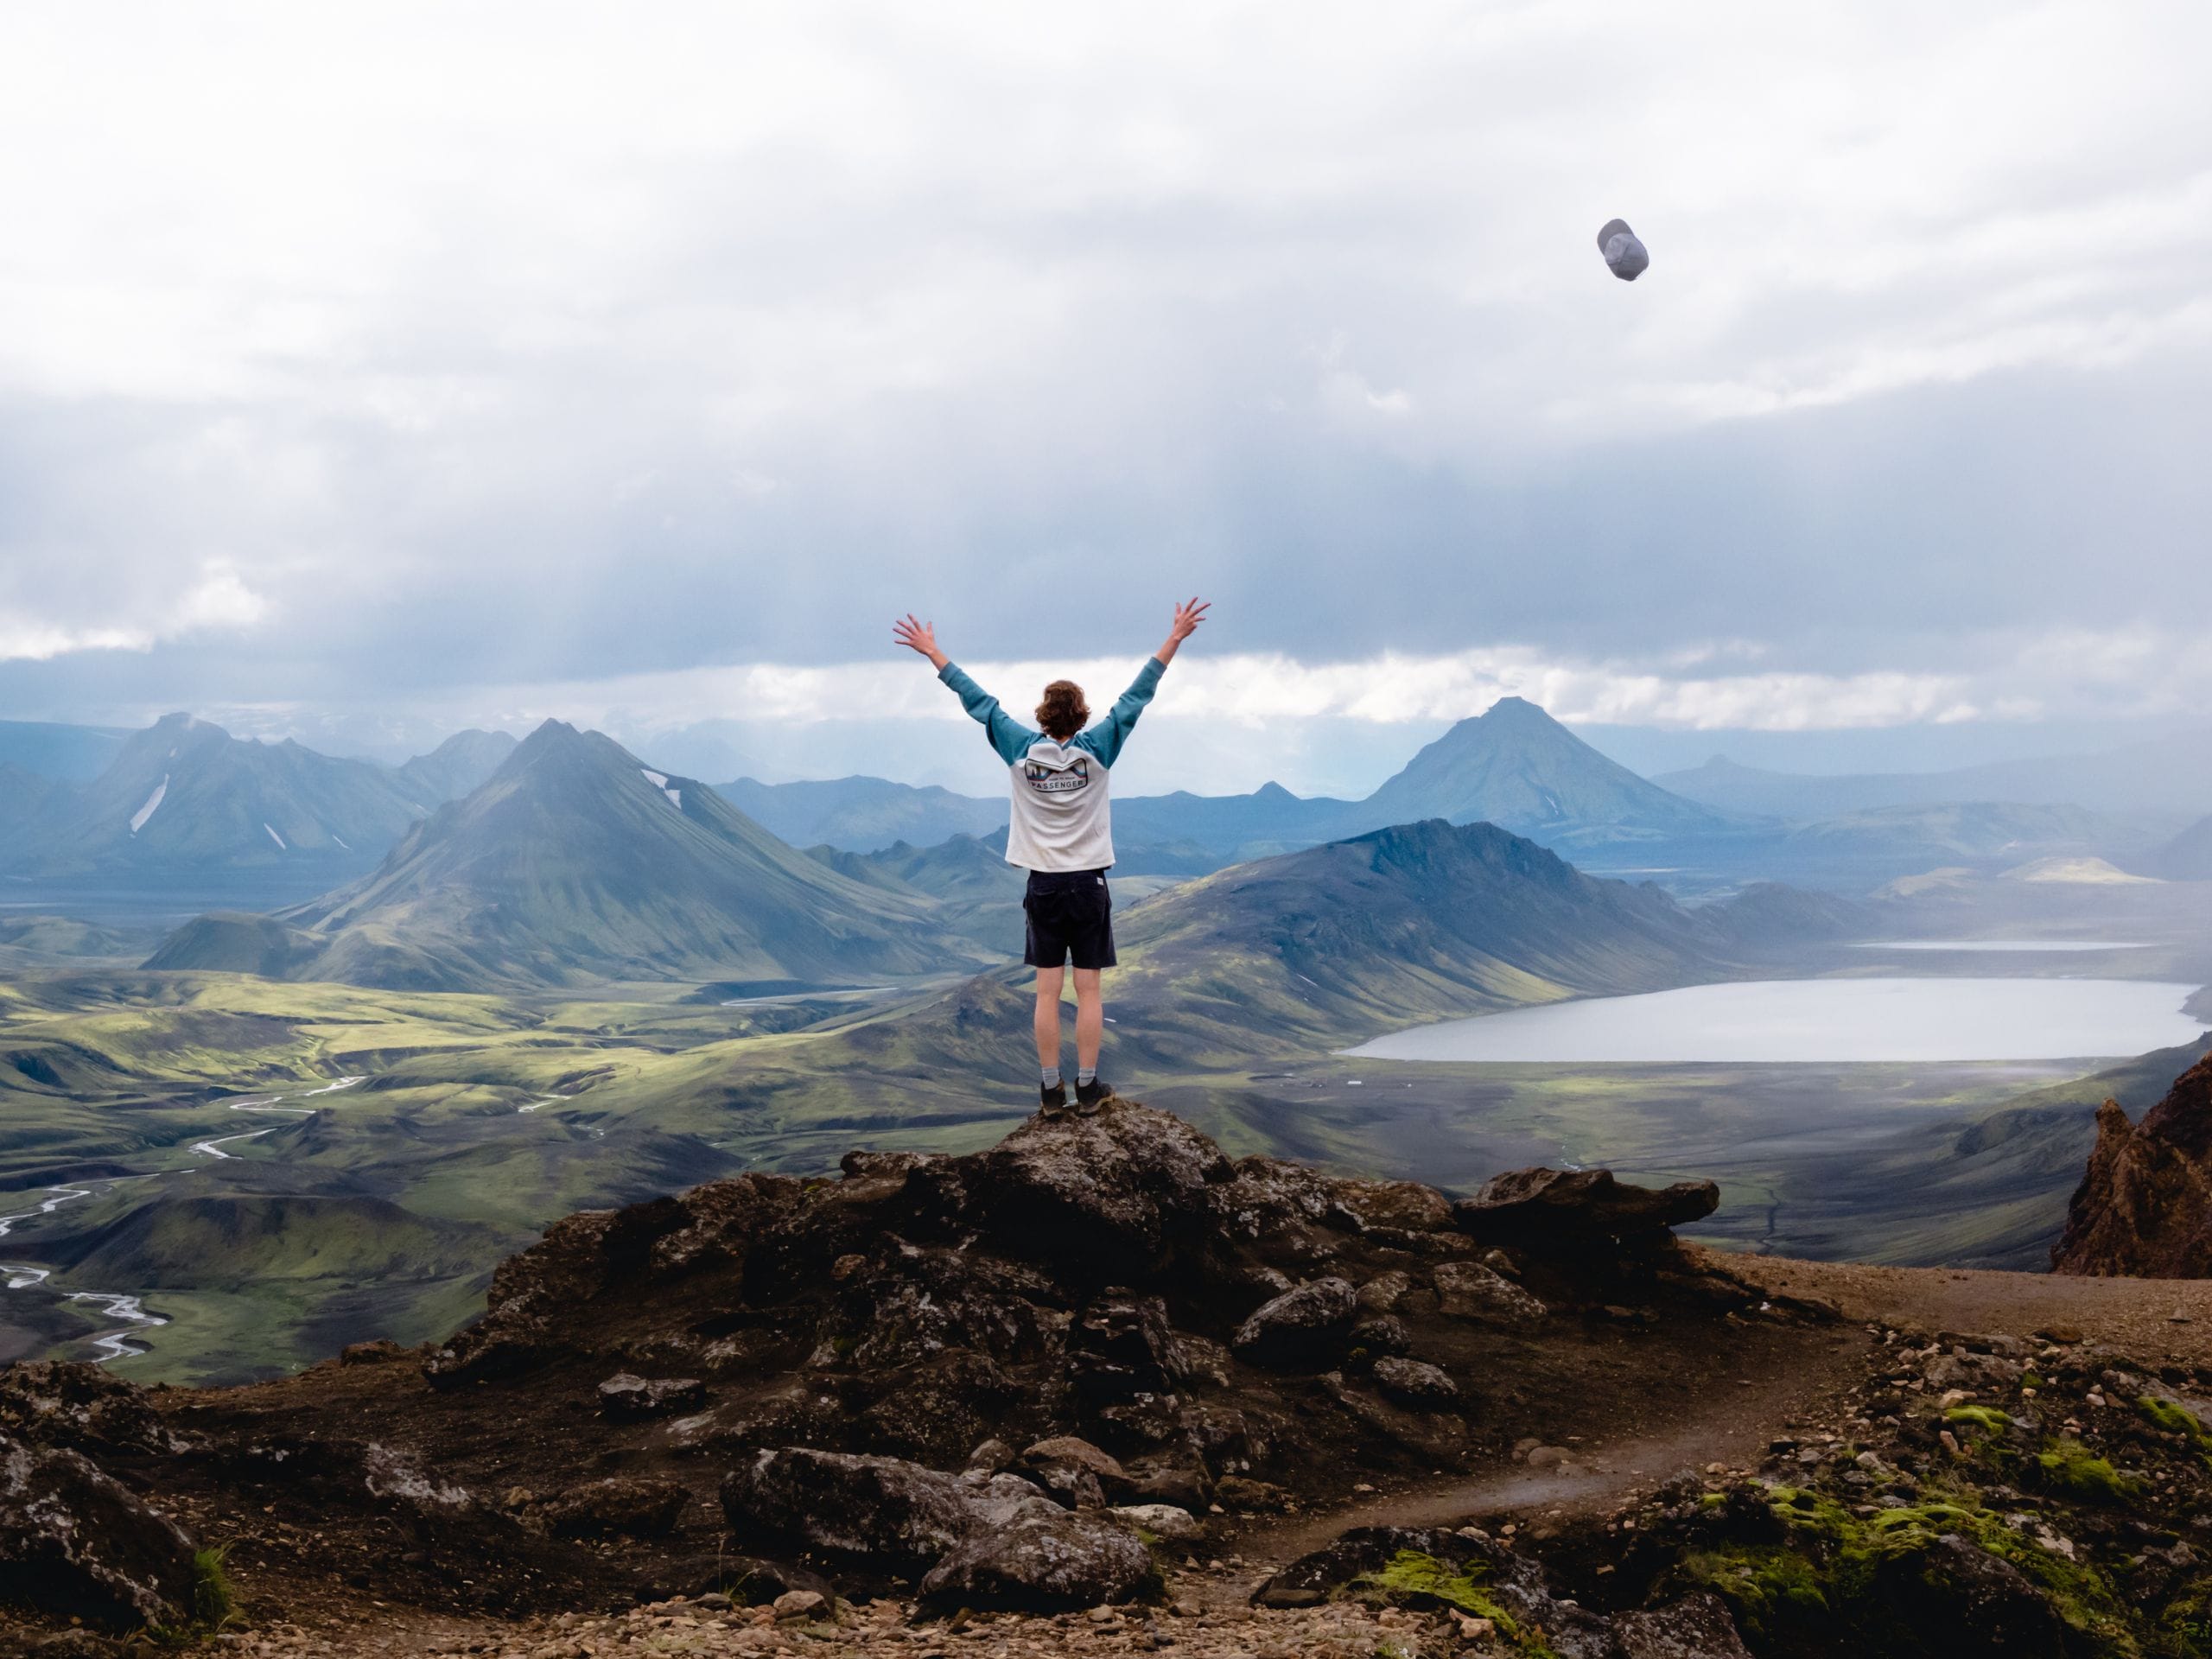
point(1048, 1015)
point(1089, 1018)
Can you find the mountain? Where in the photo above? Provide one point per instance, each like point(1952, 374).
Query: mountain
point(2143, 1208)
point(862, 815)
point(455, 767)
point(578, 862)
point(2188, 856)
point(1234, 827)
point(23, 795)
point(1420, 920)
point(68, 754)
point(2146, 779)
point(1513, 766)
point(186, 795)
point(979, 892)
point(1956, 832)
point(1517, 767)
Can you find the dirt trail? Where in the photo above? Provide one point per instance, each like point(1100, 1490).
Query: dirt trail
point(1731, 1425)
point(2154, 1320)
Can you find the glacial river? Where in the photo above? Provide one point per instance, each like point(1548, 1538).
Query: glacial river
point(1829, 1020)
point(126, 1307)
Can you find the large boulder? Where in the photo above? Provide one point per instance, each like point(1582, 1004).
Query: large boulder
point(52, 1402)
point(849, 1504)
point(1359, 1561)
point(1044, 1557)
point(1074, 1470)
point(1304, 1326)
point(1961, 1599)
point(1468, 1290)
point(621, 1505)
point(75, 1542)
point(1696, 1627)
point(1578, 1206)
point(1107, 1197)
point(982, 1538)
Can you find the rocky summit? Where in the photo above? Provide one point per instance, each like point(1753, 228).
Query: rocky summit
point(2143, 1208)
point(1103, 1389)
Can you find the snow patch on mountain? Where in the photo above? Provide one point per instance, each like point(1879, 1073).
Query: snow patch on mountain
point(138, 818)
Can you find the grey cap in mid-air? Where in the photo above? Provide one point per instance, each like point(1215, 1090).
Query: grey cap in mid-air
point(1625, 255)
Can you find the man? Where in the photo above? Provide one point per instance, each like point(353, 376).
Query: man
point(1061, 833)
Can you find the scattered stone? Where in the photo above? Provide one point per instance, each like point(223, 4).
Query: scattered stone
point(799, 1604)
point(1415, 1381)
point(1163, 1521)
point(629, 1396)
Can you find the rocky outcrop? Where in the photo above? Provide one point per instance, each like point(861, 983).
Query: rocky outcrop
point(1579, 1207)
point(1115, 1278)
point(1002, 1379)
point(2143, 1208)
point(978, 1538)
point(81, 1407)
point(76, 1542)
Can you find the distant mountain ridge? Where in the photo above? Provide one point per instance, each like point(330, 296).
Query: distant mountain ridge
point(57, 752)
point(862, 815)
point(1513, 766)
point(2168, 776)
point(2188, 856)
point(185, 795)
point(576, 862)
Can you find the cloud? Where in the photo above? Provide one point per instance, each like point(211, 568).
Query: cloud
point(512, 348)
point(217, 601)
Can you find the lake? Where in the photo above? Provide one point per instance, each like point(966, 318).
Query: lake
point(1822, 1019)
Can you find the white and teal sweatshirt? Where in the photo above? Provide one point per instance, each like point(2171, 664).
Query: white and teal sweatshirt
point(1061, 821)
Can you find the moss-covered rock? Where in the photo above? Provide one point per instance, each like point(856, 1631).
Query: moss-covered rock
point(1934, 1578)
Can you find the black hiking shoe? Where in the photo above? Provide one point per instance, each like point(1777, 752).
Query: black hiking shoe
point(1056, 1098)
point(1089, 1097)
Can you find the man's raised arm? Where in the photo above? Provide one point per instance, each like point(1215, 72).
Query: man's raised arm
point(1009, 738)
point(1105, 739)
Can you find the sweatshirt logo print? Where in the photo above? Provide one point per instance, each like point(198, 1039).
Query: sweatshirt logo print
point(1057, 780)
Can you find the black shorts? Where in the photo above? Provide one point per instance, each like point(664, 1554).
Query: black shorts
point(1071, 915)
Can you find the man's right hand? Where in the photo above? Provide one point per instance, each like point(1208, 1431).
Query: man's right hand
point(916, 635)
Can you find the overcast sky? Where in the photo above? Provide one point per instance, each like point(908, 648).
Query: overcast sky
point(368, 371)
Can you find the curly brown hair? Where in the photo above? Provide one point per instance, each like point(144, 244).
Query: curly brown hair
point(1064, 712)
